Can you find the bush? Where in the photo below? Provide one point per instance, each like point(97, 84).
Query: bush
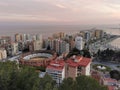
point(115, 74)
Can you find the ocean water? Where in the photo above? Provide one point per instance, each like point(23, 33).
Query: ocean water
point(116, 43)
point(48, 30)
point(42, 29)
point(113, 31)
point(11, 29)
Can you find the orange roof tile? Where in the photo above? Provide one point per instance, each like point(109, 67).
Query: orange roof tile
point(80, 61)
point(56, 65)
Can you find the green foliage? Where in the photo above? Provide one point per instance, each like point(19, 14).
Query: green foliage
point(88, 83)
point(115, 74)
point(68, 84)
point(41, 68)
point(102, 70)
point(23, 78)
point(81, 83)
point(47, 83)
point(84, 52)
point(108, 55)
point(118, 66)
point(12, 78)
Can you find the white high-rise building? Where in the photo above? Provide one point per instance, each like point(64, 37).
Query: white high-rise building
point(79, 42)
point(18, 37)
point(3, 53)
point(28, 37)
point(87, 36)
point(39, 37)
point(37, 45)
point(24, 37)
point(14, 48)
point(56, 69)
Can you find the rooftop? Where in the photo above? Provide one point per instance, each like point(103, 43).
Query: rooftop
point(78, 61)
point(108, 79)
point(56, 65)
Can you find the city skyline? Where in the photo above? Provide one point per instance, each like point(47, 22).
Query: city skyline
point(61, 11)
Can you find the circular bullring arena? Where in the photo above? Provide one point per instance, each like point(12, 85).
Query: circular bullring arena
point(37, 58)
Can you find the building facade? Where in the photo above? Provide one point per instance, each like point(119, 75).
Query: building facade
point(37, 44)
point(3, 53)
point(72, 67)
point(18, 37)
point(76, 66)
point(79, 42)
point(56, 69)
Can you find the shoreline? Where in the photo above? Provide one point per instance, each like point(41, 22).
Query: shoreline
point(109, 43)
point(115, 43)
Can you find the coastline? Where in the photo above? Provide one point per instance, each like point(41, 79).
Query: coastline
point(116, 43)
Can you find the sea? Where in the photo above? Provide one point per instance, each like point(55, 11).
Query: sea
point(115, 43)
point(48, 30)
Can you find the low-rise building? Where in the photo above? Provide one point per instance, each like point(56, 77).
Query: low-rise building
point(112, 84)
point(56, 69)
point(73, 67)
point(3, 53)
point(77, 65)
point(12, 49)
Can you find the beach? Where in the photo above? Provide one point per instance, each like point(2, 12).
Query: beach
point(115, 43)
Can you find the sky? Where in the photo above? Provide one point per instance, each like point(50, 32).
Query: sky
point(61, 11)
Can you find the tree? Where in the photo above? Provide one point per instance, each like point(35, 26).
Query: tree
point(12, 78)
point(115, 74)
point(88, 83)
point(24, 78)
point(27, 79)
point(48, 47)
point(84, 52)
point(67, 84)
point(98, 53)
point(47, 83)
point(7, 75)
point(81, 83)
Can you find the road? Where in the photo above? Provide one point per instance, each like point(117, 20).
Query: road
point(113, 66)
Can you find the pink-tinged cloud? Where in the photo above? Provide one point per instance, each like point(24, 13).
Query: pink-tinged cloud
point(71, 11)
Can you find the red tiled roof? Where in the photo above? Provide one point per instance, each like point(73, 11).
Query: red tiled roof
point(111, 88)
point(56, 65)
point(81, 61)
point(84, 62)
point(72, 63)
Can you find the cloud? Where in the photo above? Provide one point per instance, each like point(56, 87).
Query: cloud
point(14, 17)
point(3, 4)
point(60, 6)
point(81, 11)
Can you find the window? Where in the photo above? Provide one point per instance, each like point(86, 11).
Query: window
point(79, 69)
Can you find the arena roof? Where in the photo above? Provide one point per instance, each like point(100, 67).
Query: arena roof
point(28, 57)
